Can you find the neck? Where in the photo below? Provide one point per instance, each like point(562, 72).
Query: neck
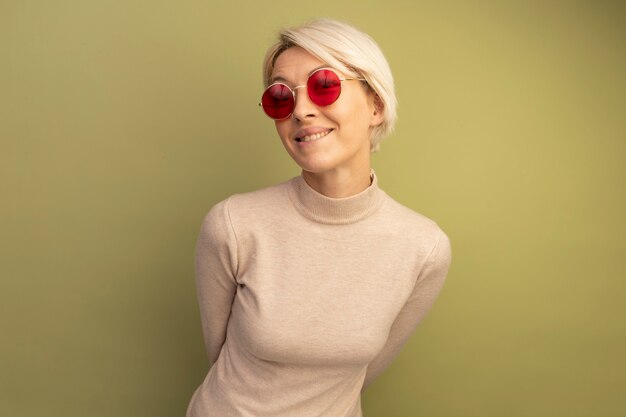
point(339, 183)
point(336, 210)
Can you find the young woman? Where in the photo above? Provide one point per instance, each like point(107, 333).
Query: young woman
point(309, 289)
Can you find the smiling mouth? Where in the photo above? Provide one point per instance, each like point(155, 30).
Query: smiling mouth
point(311, 138)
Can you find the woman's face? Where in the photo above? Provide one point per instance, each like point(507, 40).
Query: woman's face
point(340, 131)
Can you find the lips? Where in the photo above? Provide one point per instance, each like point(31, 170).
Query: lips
point(311, 134)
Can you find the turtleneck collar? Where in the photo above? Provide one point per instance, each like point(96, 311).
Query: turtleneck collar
point(328, 210)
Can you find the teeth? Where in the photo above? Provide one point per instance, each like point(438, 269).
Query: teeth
point(314, 137)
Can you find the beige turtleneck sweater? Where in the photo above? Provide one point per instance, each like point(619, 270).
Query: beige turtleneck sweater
point(306, 299)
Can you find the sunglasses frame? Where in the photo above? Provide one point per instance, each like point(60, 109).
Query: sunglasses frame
point(293, 90)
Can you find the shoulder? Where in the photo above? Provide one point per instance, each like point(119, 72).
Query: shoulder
point(411, 221)
point(260, 197)
point(427, 236)
point(248, 205)
point(417, 231)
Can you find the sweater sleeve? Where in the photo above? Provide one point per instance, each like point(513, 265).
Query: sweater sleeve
point(425, 292)
point(215, 268)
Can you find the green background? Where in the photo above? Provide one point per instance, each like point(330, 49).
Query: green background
point(123, 122)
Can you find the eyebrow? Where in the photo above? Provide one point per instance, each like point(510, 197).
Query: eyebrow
point(282, 79)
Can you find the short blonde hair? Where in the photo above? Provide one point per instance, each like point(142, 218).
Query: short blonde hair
point(348, 50)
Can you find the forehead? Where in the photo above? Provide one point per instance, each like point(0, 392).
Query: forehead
point(294, 65)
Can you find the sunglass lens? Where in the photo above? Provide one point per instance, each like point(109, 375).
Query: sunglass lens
point(324, 87)
point(277, 101)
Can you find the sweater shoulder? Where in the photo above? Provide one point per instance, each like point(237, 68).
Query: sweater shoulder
point(418, 231)
point(256, 203)
point(412, 221)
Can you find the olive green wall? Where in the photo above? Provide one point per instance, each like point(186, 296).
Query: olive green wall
point(123, 122)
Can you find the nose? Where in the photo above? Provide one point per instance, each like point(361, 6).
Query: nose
point(304, 108)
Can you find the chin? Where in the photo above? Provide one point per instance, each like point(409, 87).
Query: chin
point(315, 165)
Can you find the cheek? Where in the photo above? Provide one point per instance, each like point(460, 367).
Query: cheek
point(354, 121)
point(355, 113)
point(282, 129)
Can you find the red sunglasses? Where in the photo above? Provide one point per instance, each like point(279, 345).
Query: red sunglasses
point(323, 87)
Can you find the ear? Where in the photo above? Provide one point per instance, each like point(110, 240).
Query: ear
point(378, 111)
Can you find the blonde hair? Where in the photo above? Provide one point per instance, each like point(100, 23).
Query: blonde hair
point(348, 50)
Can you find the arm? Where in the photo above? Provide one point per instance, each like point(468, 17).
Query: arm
point(216, 268)
point(427, 288)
